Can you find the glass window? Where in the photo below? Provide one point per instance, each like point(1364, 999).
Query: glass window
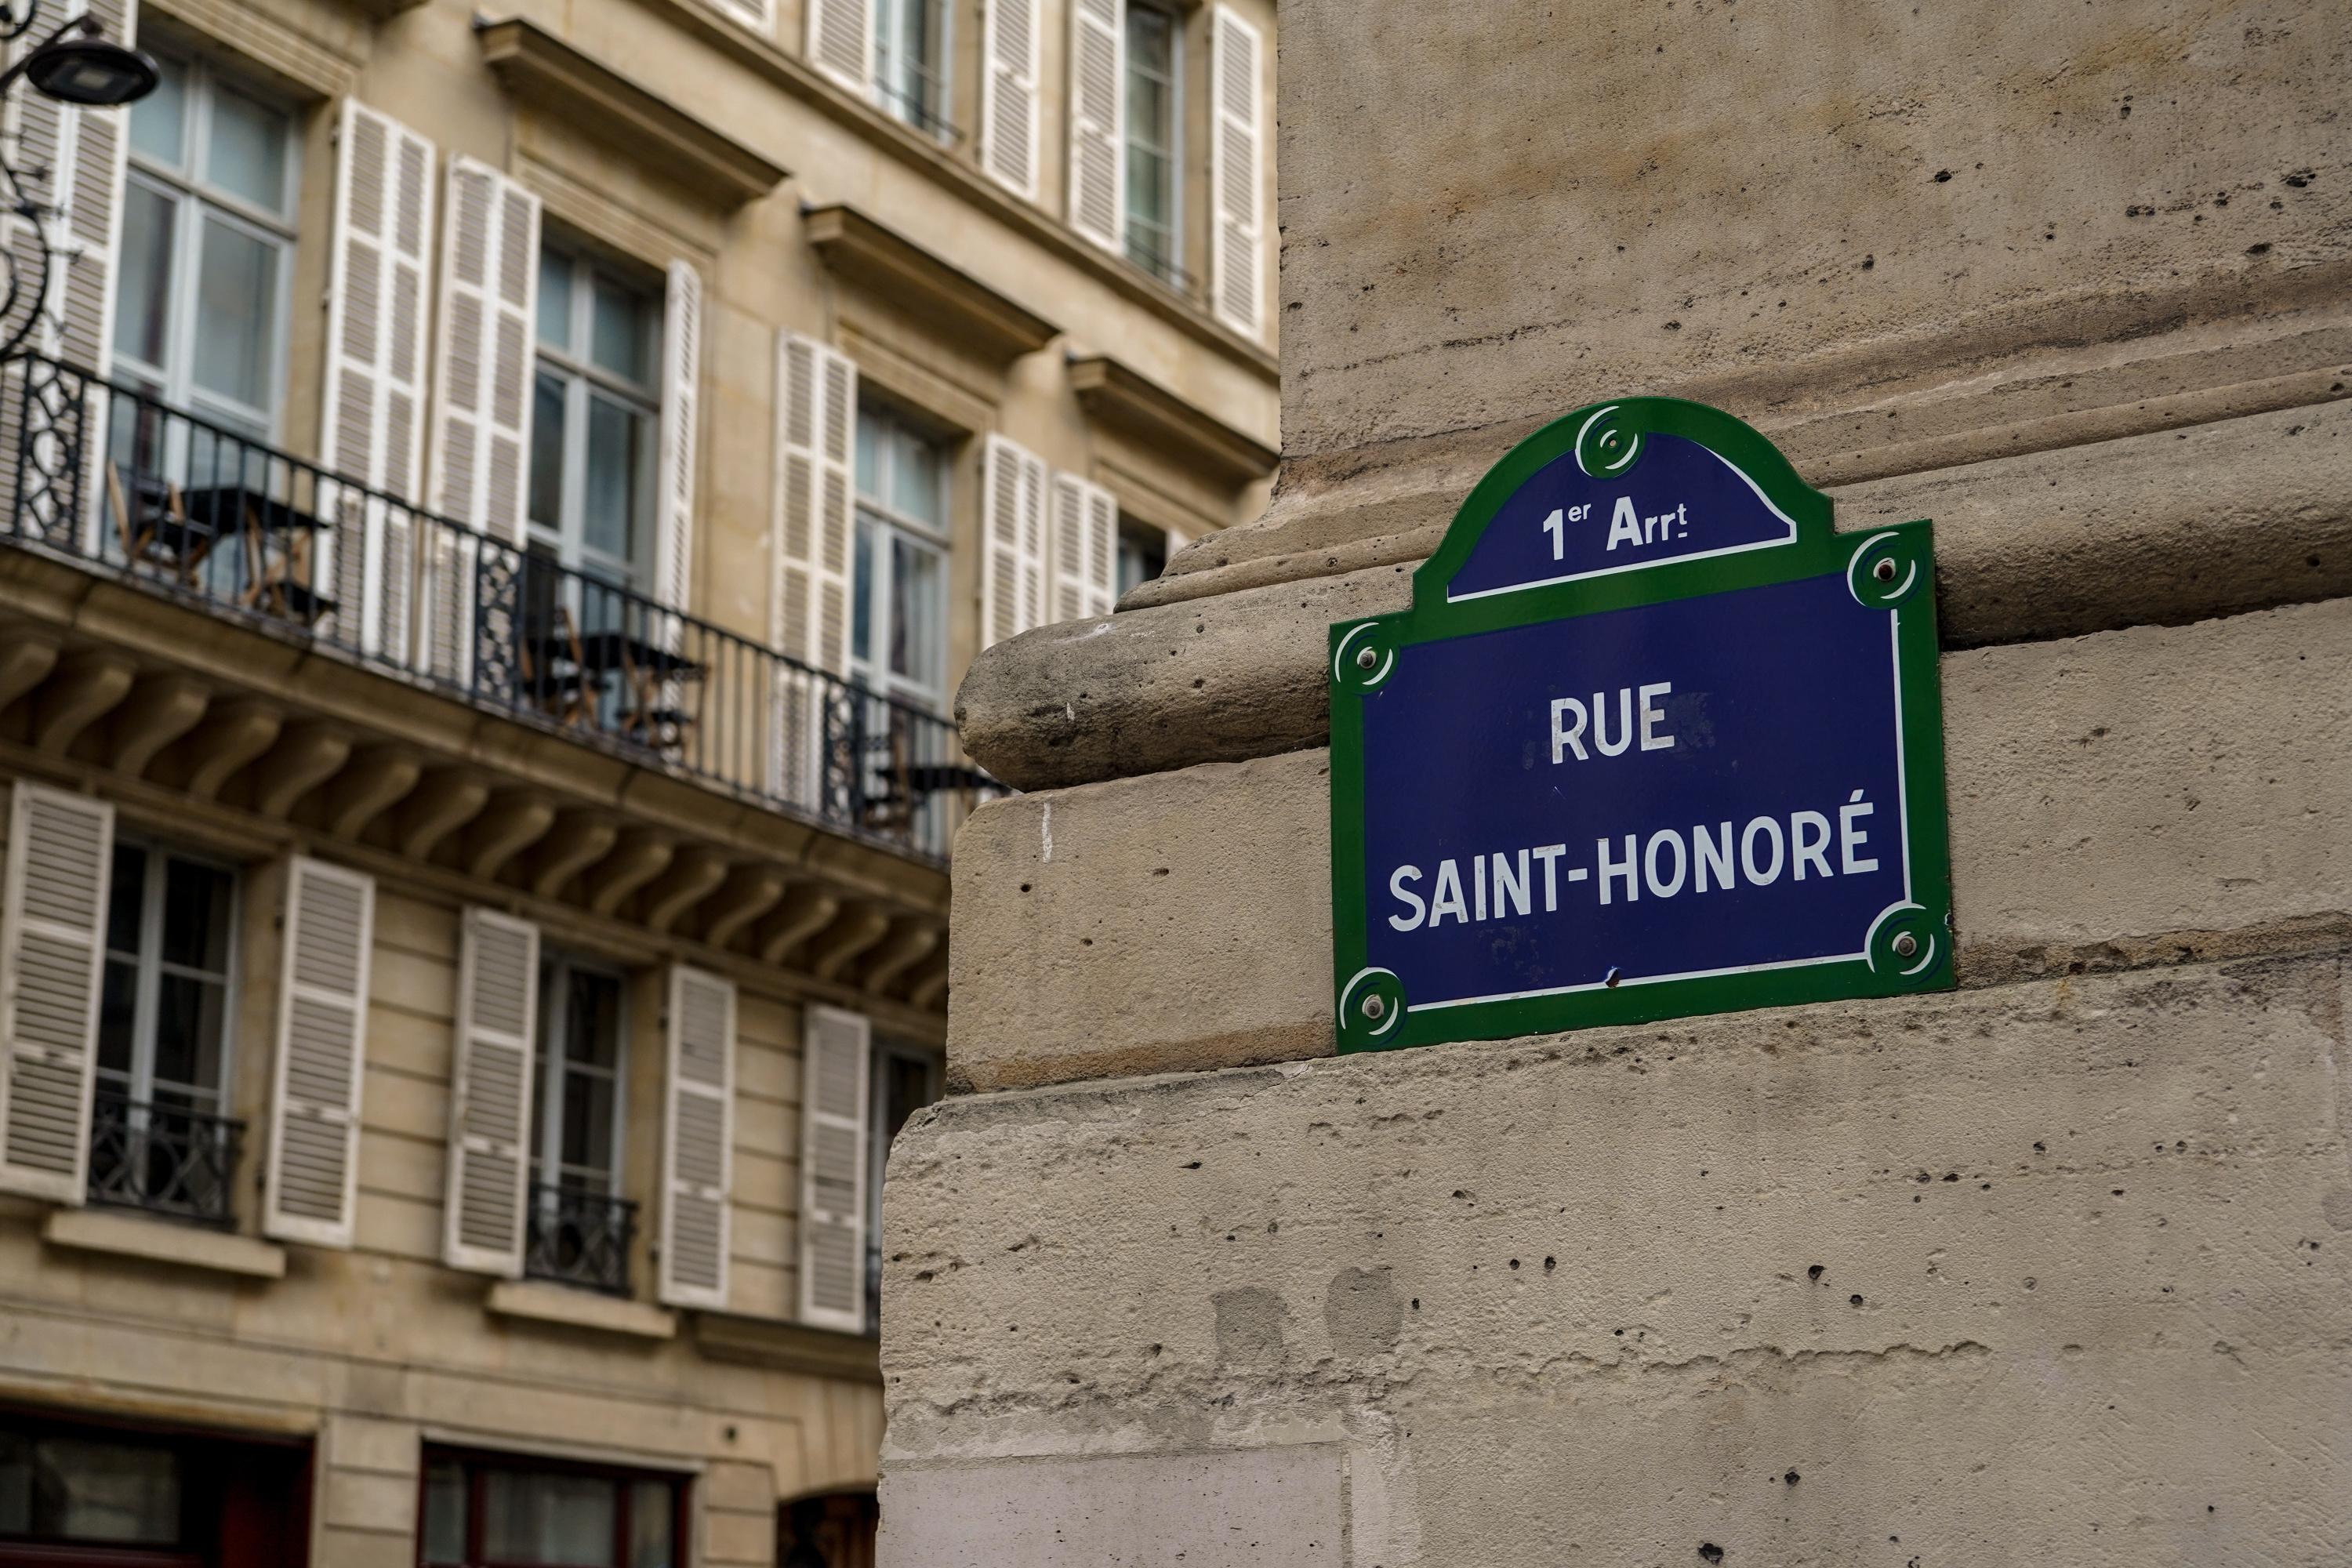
point(1153, 82)
point(899, 567)
point(206, 252)
point(906, 1078)
point(94, 1489)
point(597, 417)
point(1142, 554)
point(576, 1142)
point(909, 60)
point(483, 1510)
point(164, 1008)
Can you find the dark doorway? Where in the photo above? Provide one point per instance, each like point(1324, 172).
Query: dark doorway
point(79, 1493)
point(834, 1531)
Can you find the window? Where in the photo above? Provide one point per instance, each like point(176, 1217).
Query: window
point(898, 585)
point(910, 56)
point(1153, 92)
point(906, 1078)
point(1142, 554)
point(595, 417)
point(484, 1510)
point(207, 242)
point(119, 1496)
point(158, 1140)
point(94, 1489)
point(580, 1226)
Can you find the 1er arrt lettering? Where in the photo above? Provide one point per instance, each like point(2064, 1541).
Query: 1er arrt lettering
point(1626, 525)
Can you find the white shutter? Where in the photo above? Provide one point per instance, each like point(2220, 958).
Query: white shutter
point(1098, 121)
point(698, 1136)
point(759, 15)
point(490, 1094)
point(52, 948)
point(490, 295)
point(841, 41)
point(680, 405)
point(371, 420)
point(313, 1179)
point(816, 419)
point(1012, 559)
point(1086, 549)
point(1237, 173)
point(1008, 93)
point(833, 1079)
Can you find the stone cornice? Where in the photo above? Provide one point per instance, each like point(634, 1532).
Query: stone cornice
point(946, 297)
point(1123, 397)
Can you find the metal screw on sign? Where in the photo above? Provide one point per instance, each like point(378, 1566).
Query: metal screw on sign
point(1376, 1008)
point(1906, 945)
point(1883, 570)
point(1366, 658)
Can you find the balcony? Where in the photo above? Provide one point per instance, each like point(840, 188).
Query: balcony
point(115, 482)
point(579, 1239)
point(162, 1158)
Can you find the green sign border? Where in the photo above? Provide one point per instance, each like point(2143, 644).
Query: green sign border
point(1607, 438)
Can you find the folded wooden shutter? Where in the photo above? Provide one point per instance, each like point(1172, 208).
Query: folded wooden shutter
point(680, 405)
point(834, 1093)
point(490, 1094)
point(816, 421)
point(313, 1179)
point(372, 417)
point(1008, 94)
point(1236, 171)
point(1012, 558)
point(1098, 121)
point(698, 1134)
point(52, 951)
point(840, 41)
point(1086, 549)
point(759, 15)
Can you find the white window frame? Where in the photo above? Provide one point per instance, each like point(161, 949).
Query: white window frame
point(890, 95)
point(1175, 275)
point(874, 669)
point(553, 1065)
point(151, 967)
point(582, 379)
point(193, 199)
point(877, 1147)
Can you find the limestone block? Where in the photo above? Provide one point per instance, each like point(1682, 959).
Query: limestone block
point(2105, 792)
point(2167, 527)
point(2055, 1272)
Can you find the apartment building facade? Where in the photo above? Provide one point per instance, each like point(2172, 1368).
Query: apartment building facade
point(496, 508)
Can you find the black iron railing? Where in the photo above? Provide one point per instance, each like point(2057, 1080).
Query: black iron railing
point(162, 1158)
point(579, 1238)
point(195, 509)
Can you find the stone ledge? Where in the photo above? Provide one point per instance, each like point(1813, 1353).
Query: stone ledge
point(2166, 526)
point(164, 1241)
point(535, 1301)
point(792, 1347)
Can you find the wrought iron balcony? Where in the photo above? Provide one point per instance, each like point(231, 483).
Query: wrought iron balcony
point(193, 509)
point(579, 1238)
point(162, 1158)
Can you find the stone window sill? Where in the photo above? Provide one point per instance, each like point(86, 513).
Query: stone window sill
point(541, 1303)
point(161, 1241)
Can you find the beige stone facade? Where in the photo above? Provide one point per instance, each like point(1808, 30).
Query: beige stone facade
point(2049, 1269)
point(495, 521)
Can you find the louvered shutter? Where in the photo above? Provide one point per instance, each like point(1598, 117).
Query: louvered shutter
point(313, 1179)
point(680, 405)
point(841, 41)
point(1236, 174)
point(372, 419)
point(52, 948)
point(490, 1094)
point(698, 1135)
point(816, 420)
point(1086, 549)
point(833, 1095)
point(759, 15)
point(1012, 560)
point(1098, 116)
point(1008, 94)
point(481, 434)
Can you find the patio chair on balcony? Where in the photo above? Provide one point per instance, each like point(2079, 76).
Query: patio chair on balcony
point(554, 668)
point(153, 525)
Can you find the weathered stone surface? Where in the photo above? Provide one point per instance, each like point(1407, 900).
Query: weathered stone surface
point(2162, 527)
point(2031, 1273)
point(2131, 796)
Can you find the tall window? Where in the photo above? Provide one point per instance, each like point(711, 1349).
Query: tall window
point(595, 418)
point(898, 642)
point(103, 1496)
point(1152, 96)
point(906, 1078)
point(485, 1510)
point(207, 247)
point(910, 56)
point(575, 1132)
point(1142, 554)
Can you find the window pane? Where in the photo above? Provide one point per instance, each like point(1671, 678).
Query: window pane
point(117, 1002)
point(158, 122)
point(445, 1514)
point(916, 599)
point(916, 484)
point(547, 448)
point(1150, 41)
point(617, 332)
point(236, 297)
point(142, 301)
point(872, 435)
point(861, 593)
point(548, 1518)
point(15, 1484)
point(555, 298)
point(652, 1519)
point(125, 898)
point(248, 155)
point(85, 1490)
point(594, 1018)
point(196, 915)
point(615, 478)
point(189, 1014)
point(587, 1147)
